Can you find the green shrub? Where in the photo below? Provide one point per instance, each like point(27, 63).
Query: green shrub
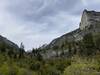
point(81, 69)
point(35, 66)
point(23, 71)
point(6, 69)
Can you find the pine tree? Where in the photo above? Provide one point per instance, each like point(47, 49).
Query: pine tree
point(22, 51)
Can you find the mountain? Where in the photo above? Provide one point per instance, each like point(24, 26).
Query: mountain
point(7, 44)
point(89, 25)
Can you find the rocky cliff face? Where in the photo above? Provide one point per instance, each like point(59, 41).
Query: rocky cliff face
point(89, 19)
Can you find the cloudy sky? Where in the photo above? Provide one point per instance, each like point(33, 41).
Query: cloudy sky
point(36, 22)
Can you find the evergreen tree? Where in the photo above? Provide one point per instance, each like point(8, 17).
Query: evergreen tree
point(88, 44)
point(22, 51)
point(2, 47)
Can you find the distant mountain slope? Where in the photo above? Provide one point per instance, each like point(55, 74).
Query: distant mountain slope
point(7, 43)
point(68, 37)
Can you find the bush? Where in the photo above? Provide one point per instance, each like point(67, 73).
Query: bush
point(35, 66)
point(23, 71)
point(5, 69)
point(49, 70)
point(82, 69)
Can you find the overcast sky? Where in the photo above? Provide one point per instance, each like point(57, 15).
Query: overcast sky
point(36, 22)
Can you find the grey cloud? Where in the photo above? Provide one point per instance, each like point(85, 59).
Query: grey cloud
point(38, 9)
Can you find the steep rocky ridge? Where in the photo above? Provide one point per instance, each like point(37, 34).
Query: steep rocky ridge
point(5, 42)
point(90, 23)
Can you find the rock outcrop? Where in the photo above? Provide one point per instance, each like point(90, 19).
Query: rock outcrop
point(89, 18)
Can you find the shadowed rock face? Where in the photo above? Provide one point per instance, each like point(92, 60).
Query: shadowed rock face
point(7, 42)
